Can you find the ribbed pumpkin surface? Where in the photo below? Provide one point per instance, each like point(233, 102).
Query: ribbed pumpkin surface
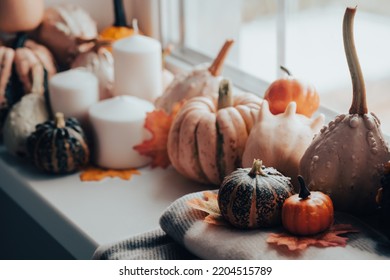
point(253, 200)
point(206, 143)
point(58, 149)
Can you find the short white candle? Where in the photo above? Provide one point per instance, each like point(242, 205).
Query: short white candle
point(137, 67)
point(118, 125)
point(72, 92)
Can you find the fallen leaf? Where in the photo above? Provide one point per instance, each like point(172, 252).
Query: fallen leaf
point(208, 204)
point(158, 122)
point(329, 238)
point(93, 173)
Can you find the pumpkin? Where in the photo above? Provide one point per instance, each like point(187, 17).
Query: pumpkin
point(25, 115)
point(307, 213)
point(285, 90)
point(21, 15)
point(207, 138)
point(253, 197)
point(100, 62)
point(281, 140)
point(202, 81)
point(120, 29)
point(66, 30)
point(58, 146)
point(383, 200)
point(6, 59)
point(346, 159)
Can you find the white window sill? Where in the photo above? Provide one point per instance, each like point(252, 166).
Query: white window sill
point(84, 215)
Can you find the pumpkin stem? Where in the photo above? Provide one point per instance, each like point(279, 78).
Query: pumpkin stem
point(225, 95)
point(359, 103)
point(60, 120)
point(216, 68)
point(303, 190)
point(257, 168)
point(120, 17)
point(284, 69)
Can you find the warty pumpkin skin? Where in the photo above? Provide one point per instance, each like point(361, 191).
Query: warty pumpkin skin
point(59, 146)
point(307, 213)
point(207, 138)
point(253, 197)
point(346, 159)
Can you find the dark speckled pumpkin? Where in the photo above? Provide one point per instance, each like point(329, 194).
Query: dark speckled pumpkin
point(58, 146)
point(253, 197)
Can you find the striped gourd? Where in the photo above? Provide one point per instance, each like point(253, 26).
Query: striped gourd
point(253, 197)
point(207, 138)
point(58, 146)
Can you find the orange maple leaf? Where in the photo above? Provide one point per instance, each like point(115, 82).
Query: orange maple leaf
point(329, 238)
point(209, 204)
point(158, 122)
point(93, 173)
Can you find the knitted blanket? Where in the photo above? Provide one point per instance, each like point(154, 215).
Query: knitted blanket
point(184, 235)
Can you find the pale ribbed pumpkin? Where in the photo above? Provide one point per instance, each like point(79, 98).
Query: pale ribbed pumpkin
point(202, 81)
point(281, 140)
point(254, 197)
point(207, 138)
point(346, 159)
point(58, 146)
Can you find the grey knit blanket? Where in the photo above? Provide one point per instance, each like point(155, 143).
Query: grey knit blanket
point(184, 235)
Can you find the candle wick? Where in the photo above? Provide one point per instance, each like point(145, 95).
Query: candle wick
point(135, 26)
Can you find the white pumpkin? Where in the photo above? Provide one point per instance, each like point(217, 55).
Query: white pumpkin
point(201, 81)
point(281, 140)
point(100, 62)
point(25, 115)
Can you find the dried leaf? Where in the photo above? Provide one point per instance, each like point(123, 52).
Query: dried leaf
point(209, 205)
point(93, 173)
point(158, 122)
point(329, 238)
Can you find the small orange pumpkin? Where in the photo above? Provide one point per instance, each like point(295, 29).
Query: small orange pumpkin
point(283, 91)
point(307, 213)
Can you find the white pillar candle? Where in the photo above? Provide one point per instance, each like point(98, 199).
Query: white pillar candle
point(137, 67)
point(118, 125)
point(72, 92)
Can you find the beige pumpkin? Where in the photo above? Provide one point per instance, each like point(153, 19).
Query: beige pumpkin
point(201, 81)
point(346, 159)
point(281, 140)
point(66, 30)
point(208, 136)
point(101, 63)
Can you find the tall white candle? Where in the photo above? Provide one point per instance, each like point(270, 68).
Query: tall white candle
point(137, 67)
point(72, 92)
point(118, 125)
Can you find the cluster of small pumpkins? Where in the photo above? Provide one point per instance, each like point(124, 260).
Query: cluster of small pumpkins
point(45, 42)
point(217, 132)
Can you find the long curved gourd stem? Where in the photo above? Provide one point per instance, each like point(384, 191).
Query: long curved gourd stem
point(216, 68)
point(359, 103)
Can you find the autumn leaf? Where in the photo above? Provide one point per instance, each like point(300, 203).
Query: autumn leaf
point(93, 173)
point(208, 204)
point(330, 238)
point(158, 122)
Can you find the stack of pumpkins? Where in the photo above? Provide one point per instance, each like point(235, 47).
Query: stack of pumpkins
point(46, 41)
point(214, 135)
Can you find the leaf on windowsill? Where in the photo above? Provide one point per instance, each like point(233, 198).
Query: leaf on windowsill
point(93, 173)
point(209, 204)
point(158, 122)
point(329, 238)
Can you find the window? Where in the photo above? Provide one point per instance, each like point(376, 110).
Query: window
point(304, 35)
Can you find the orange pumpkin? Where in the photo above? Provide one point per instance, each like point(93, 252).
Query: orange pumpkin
point(207, 138)
point(120, 29)
point(283, 91)
point(307, 213)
